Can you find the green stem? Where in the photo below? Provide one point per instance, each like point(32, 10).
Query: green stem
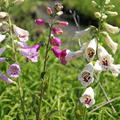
point(15, 58)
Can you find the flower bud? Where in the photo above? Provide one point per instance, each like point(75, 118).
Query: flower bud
point(3, 15)
point(104, 16)
point(107, 1)
point(112, 13)
point(62, 23)
point(49, 11)
point(97, 14)
point(59, 13)
point(57, 31)
point(55, 41)
point(58, 6)
point(39, 22)
point(94, 4)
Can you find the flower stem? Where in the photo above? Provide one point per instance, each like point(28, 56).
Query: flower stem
point(105, 94)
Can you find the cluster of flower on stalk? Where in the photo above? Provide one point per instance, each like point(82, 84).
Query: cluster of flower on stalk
point(99, 59)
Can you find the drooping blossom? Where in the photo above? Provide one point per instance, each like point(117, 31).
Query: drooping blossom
point(105, 60)
point(2, 37)
point(111, 29)
point(115, 69)
point(83, 33)
point(111, 13)
point(49, 11)
point(62, 23)
point(39, 22)
point(113, 45)
point(88, 97)
point(86, 76)
point(66, 55)
point(31, 53)
point(90, 51)
point(6, 79)
point(21, 33)
point(3, 15)
point(55, 41)
point(57, 31)
point(14, 70)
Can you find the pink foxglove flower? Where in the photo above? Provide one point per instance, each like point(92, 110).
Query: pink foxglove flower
point(90, 51)
point(21, 33)
point(55, 41)
point(66, 55)
point(2, 37)
point(39, 22)
point(6, 79)
point(49, 11)
point(105, 60)
point(62, 23)
point(31, 53)
point(14, 70)
point(57, 31)
point(88, 97)
point(86, 76)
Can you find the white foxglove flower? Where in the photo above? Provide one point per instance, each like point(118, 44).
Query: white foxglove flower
point(112, 13)
point(115, 69)
point(86, 76)
point(97, 14)
point(111, 29)
point(2, 37)
point(83, 33)
point(88, 97)
point(90, 51)
point(21, 33)
point(113, 45)
point(105, 59)
point(107, 1)
point(3, 15)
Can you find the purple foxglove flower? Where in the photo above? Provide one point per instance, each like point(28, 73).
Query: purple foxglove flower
point(57, 31)
point(14, 70)
point(66, 55)
point(6, 79)
point(39, 22)
point(21, 33)
point(2, 50)
point(2, 59)
point(31, 53)
point(55, 41)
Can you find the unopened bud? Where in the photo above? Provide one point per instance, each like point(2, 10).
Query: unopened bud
point(49, 11)
point(112, 13)
point(58, 6)
point(107, 1)
point(39, 22)
point(97, 14)
point(62, 23)
point(104, 16)
point(3, 15)
point(94, 4)
point(59, 13)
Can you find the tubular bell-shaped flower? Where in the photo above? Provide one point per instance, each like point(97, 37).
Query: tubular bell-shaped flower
point(14, 70)
point(55, 41)
point(31, 53)
point(21, 33)
point(105, 60)
point(86, 76)
point(113, 45)
point(57, 31)
point(90, 51)
point(6, 79)
point(88, 97)
point(111, 29)
point(66, 55)
point(2, 37)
